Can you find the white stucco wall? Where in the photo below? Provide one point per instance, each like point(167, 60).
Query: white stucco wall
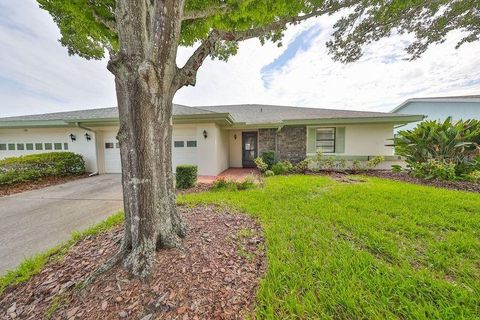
point(368, 139)
point(51, 135)
point(440, 111)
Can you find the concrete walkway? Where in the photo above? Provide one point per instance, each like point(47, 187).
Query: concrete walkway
point(33, 221)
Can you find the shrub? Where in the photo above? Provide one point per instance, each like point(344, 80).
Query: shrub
point(186, 176)
point(247, 183)
point(396, 168)
point(269, 158)
point(473, 176)
point(434, 169)
point(232, 185)
point(261, 165)
point(282, 167)
point(445, 142)
point(356, 165)
point(302, 166)
point(36, 166)
point(375, 161)
point(269, 173)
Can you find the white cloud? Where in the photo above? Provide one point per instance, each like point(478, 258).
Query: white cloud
point(37, 75)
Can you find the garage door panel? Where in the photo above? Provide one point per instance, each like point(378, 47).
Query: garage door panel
point(184, 150)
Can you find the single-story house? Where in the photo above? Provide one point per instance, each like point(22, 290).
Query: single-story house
point(213, 137)
point(440, 108)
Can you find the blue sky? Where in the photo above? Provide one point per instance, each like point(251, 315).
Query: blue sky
point(37, 75)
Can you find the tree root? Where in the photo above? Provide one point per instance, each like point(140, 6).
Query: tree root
point(112, 262)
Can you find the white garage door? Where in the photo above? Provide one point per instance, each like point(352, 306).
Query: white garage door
point(111, 149)
point(184, 149)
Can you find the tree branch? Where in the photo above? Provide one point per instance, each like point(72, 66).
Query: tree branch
point(187, 75)
point(109, 24)
point(201, 14)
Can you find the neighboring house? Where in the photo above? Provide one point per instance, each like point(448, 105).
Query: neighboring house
point(460, 107)
point(212, 137)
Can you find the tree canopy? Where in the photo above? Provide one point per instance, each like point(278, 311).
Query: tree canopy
point(88, 26)
point(429, 21)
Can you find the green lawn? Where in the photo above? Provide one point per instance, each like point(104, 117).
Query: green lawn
point(370, 250)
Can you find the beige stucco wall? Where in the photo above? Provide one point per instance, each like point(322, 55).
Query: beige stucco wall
point(51, 135)
point(368, 139)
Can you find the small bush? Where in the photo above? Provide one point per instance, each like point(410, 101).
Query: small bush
point(473, 176)
point(356, 165)
point(396, 168)
point(186, 176)
point(261, 165)
point(375, 161)
point(434, 169)
point(269, 173)
point(302, 166)
point(282, 167)
point(36, 166)
point(247, 183)
point(269, 158)
point(232, 185)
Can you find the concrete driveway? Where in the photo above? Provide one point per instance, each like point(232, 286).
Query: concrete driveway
point(33, 221)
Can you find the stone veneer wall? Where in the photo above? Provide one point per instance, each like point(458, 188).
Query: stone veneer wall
point(291, 143)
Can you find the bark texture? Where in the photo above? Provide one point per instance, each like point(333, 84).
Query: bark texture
point(144, 71)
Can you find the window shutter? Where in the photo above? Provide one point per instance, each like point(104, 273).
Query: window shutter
point(340, 140)
point(311, 137)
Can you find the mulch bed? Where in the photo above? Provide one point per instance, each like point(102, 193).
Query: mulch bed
point(199, 187)
point(215, 276)
point(404, 176)
point(45, 182)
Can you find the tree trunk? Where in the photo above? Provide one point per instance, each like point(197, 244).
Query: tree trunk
point(144, 72)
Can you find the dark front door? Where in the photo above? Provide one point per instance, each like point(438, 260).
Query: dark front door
point(249, 149)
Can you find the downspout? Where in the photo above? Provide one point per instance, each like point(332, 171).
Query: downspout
point(79, 125)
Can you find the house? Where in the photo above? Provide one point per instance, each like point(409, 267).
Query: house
point(212, 137)
point(439, 108)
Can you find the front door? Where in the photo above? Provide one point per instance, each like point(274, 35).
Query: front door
point(249, 149)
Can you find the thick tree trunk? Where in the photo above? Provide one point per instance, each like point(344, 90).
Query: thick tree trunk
point(144, 72)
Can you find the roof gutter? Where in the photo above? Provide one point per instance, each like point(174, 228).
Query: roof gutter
point(79, 125)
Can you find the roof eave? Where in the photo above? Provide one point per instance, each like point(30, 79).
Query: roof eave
point(390, 119)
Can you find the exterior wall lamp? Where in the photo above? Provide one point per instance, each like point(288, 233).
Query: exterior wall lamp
point(235, 136)
point(88, 137)
point(205, 134)
point(73, 137)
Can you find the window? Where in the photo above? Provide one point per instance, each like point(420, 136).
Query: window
point(117, 145)
point(109, 145)
point(178, 144)
point(192, 144)
point(57, 146)
point(11, 146)
point(29, 146)
point(48, 146)
point(65, 146)
point(20, 146)
point(38, 146)
point(3, 146)
point(326, 140)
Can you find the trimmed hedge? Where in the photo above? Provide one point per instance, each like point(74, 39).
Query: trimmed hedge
point(36, 166)
point(186, 176)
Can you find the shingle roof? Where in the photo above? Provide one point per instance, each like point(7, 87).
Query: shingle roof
point(248, 114)
point(102, 113)
point(257, 113)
